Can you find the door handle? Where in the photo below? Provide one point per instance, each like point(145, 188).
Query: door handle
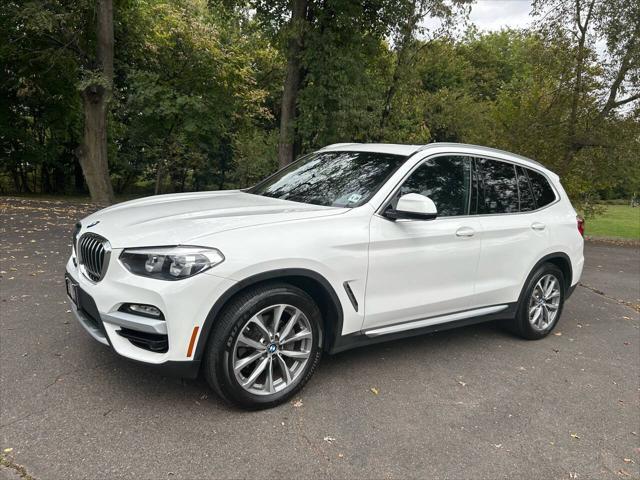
point(538, 226)
point(465, 232)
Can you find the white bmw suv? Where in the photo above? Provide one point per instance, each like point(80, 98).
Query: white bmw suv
point(350, 245)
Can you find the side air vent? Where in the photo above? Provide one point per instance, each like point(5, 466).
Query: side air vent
point(352, 297)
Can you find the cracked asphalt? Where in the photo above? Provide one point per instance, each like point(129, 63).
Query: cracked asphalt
point(469, 403)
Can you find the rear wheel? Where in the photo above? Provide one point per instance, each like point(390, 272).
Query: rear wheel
point(265, 346)
point(541, 303)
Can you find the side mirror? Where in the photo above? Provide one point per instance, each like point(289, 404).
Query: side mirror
point(413, 206)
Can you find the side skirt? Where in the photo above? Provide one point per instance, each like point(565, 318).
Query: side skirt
point(361, 339)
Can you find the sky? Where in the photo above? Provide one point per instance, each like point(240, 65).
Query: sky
point(489, 15)
point(495, 14)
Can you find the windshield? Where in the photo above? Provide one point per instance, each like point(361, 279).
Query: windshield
point(336, 179)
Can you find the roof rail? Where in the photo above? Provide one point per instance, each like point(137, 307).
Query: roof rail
point(480, 147)
point(344, 144)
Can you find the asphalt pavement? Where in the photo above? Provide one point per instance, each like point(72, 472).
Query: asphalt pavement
point(472, 403)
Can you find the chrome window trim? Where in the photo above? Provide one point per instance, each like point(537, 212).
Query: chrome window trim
point(379, 212)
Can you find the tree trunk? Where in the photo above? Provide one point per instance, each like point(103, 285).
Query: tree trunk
point(16, 178)
point(95, 98)
point(24, 178)
point(78, 179)
point(403, 44)
point(572, 147)
point(159, 174)
point(291, 83)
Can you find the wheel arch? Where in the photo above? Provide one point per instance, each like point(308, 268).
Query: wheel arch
point(313, 283)
point(560, 260)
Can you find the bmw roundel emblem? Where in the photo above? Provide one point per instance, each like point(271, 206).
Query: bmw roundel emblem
point(272, 348)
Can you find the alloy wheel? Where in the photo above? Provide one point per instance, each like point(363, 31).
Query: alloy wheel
point(544, 302)
point(272, 349)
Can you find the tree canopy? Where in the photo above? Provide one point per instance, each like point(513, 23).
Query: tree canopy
point(212, 94)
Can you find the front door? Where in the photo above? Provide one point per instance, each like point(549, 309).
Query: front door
point(425, 268)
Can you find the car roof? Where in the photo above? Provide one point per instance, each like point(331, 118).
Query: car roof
point(408, 150)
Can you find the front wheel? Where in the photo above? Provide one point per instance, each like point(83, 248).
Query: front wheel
point(541, 303)
point(265, 346)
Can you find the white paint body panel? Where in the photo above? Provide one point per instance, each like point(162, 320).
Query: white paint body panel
point(420, 269)
point(398, 271)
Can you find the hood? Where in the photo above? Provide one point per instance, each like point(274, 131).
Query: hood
point(181, 219)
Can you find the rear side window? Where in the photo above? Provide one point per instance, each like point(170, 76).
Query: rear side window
point(496, 187)
point(527, 201)
point(445, 180)
point(542, 191)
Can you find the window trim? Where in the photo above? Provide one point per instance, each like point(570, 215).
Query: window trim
point(385, 203)
point(553, 188)
point(525, 174)
point(477, 170)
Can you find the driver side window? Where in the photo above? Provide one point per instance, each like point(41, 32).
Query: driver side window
point(446, 180)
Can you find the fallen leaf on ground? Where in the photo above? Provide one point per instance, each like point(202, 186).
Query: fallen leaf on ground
point(628, 460)
point(8, 450)
point(624, 473)
point(297, 403)
point(329, 439)
point(462, 383)
point(558, 334)
point(575, 435)
point(374, 390)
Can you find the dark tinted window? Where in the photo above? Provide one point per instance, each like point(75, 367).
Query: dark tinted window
point(497, 189)
point(542, 191)
point(338, 179)
point(527, 202)
point(445, 180)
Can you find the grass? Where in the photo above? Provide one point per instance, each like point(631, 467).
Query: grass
point(620, 221)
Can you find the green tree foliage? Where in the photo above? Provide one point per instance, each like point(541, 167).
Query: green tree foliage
point(198, 89)
point(40, 110)
point(187, 93)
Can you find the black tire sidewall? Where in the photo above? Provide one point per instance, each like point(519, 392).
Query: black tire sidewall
point(225, 338)
point(523, 309)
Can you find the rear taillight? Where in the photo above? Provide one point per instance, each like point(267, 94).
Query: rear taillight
point(580, 221)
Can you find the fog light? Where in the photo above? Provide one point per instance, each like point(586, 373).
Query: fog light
point(141, 309)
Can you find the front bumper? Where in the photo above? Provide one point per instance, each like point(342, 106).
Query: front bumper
point(185, 305)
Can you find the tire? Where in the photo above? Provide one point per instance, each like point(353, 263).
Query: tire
point(244, 330)
point(526, 324)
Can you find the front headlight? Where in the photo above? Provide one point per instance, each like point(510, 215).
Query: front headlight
point(170, 263)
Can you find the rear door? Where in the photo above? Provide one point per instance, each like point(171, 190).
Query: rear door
point(425, 268)
point(514, 233)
